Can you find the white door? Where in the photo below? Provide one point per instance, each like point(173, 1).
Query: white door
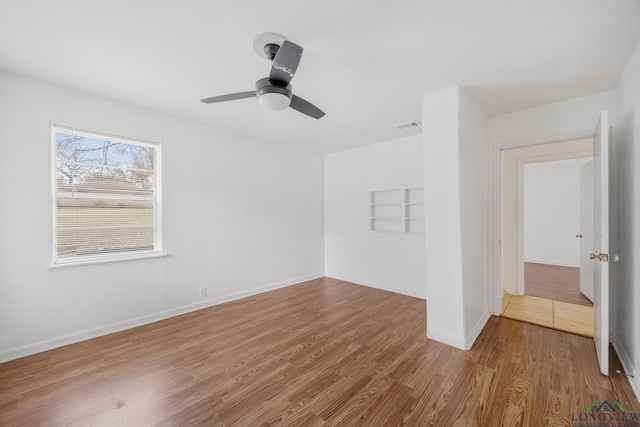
point(600, 252)
point(586, 229)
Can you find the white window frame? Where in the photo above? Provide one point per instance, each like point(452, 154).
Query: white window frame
point(157, 251)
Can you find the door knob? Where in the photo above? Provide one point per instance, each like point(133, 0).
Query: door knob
point(601, 257)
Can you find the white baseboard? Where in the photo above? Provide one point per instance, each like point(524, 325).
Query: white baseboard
point(38, 347)
point(474, 333)
point(552, 262)
point(384, 287)
point(467, 342)
point(446, 339)
point(627, 365)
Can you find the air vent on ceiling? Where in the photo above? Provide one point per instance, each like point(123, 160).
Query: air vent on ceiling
point(408, 125)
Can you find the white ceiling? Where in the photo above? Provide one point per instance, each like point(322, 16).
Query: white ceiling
point(367, 64)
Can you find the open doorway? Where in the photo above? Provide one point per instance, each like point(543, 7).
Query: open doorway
point(540, 250)
point(558, 216)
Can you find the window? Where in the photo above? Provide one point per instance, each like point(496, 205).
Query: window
point(107, 198)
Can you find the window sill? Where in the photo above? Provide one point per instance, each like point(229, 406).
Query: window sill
point(106, 259)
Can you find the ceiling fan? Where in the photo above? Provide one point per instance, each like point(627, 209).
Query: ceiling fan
point(275, 92)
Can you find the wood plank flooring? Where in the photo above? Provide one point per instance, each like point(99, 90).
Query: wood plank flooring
point(554, 282)
point(564, 316)
point(321, 353)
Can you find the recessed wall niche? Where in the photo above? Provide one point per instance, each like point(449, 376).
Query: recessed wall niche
point(400, 210)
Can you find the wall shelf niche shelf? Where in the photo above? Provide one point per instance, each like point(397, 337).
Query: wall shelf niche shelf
point(400, 211)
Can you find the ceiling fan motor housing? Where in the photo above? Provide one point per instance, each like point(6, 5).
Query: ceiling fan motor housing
point(270, 50)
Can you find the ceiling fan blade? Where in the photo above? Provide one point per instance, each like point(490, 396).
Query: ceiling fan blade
point(285, 63)
point(305, 107)
point(230, 97)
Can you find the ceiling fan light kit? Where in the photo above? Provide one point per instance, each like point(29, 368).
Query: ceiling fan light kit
point(275, 93)
point(272, 97)
point(274, 101)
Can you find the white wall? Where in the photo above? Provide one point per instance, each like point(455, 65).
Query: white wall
point(455, 144)
point(552, 212)
point(566, 120)
point(240, 216)
point(440, 135)
point(626, 141)
point(386, 260)
point(474, 210)
point(573, 118)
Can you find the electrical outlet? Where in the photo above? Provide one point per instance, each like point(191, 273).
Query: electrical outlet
point(203, 292)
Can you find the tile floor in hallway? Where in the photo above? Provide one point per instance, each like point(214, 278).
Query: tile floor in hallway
point(564, 316)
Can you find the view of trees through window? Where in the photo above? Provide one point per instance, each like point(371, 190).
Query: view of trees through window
point(105, 194)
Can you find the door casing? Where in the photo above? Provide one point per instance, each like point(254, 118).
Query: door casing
point(511, 251)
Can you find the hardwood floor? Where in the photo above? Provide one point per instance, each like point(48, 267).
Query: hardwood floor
point(321, 353)
point(554, 282)
point(564, 316)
